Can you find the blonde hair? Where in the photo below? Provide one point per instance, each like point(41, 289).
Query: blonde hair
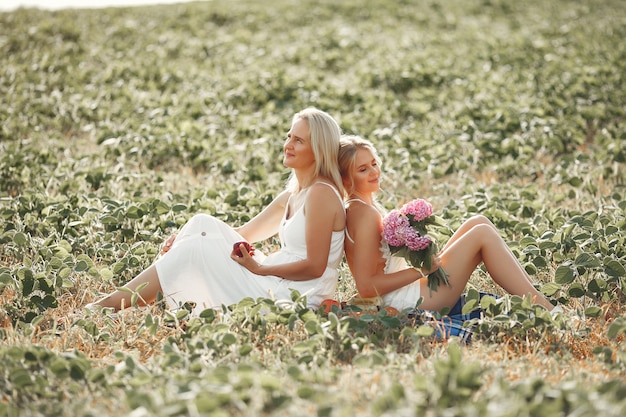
point(348, 147)
point(325, 134)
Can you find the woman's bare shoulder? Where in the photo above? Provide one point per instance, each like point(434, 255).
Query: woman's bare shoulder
point(357, 208)
point(363, 219)
point(323, 192)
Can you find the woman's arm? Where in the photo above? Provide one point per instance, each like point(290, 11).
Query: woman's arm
point(365, 261)
point(321, 208)
point(265, 224)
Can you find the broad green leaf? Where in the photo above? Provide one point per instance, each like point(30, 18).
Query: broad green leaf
point(614, 268)
point(424, 331)
point(109, 220)
point(81, 266)
point(550, 288)
point(106, 274)
point(21, 378)
point(245, 349)
point(162, 208)
point(313, 327)
point(470, 306)
point(487, 301)
point(576, 290)
point(593, 311)
point(390, 322)
point(597, 285)
point(617, 328)
point(134, 212)
point(20, 239)
point(587, 260)
point(229, 339)
point(5, 279)
point(564, 275)
point(120, 266)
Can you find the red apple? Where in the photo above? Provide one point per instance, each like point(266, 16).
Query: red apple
point(327, 305)
point(237, 250)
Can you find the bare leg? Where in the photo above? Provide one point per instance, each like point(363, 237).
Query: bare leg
point(481, 243)
point(467, 226)
point(122, 299)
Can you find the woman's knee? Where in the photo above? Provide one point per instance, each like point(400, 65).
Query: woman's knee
point(479, 219)
point(202, 219)
point(485, 231)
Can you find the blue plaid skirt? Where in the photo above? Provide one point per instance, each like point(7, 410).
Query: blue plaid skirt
point(454, 323)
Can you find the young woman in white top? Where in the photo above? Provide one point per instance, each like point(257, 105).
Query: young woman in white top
point(377, 273)
point(199, 264)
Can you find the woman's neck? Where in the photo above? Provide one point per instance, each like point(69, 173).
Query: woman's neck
point(305, 178)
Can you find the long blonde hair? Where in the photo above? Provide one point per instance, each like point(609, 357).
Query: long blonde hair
point(325, 134)
point(348, 147)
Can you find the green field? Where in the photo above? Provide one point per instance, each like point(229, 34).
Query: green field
point(118, 125)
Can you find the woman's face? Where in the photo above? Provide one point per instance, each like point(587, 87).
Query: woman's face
point(297, 150)
point(366, 173)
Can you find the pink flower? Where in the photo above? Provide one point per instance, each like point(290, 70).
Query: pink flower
point(405, 231)
point(419, 209)
point(395, 228)
point(415, 242)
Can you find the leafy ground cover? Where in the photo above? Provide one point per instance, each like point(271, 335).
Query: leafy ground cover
point(120, 124)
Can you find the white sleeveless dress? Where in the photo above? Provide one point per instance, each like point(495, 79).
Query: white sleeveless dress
point(403, 297)
point(198, 268)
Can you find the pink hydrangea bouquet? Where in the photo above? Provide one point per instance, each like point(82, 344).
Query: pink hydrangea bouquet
point(405, 232)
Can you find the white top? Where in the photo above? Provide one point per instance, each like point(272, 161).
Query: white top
point(198, 268)
point(403, 297)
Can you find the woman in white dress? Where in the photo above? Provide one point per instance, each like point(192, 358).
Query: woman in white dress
point(200, 264)
point(377, 273)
